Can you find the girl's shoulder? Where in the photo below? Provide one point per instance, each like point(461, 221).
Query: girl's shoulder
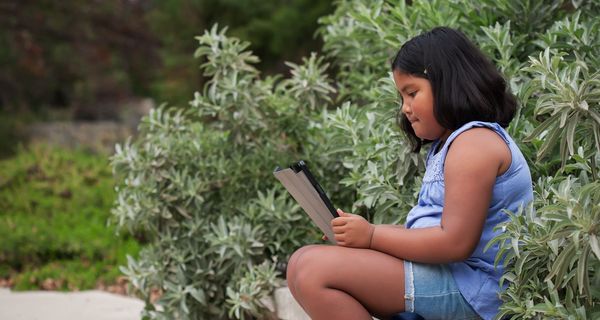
point(480, 145)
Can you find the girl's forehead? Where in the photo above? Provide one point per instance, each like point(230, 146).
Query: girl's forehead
point(404, 79)
point(403, 76)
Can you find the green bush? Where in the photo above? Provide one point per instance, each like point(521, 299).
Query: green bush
point(54, 209)
point(199, 180)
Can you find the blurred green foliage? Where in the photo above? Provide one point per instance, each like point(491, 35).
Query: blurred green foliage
point(54, 212)
point(80, 53)
point(61, 54)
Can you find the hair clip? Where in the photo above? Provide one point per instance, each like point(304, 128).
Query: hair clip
point(424, 71)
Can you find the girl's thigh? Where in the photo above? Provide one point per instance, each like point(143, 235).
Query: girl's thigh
point(373, 278)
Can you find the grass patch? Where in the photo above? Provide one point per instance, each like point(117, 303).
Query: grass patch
point(54, 212)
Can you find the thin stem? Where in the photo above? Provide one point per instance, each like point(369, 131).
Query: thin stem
point(594, 171)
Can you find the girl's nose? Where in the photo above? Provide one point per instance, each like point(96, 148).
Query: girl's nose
point(406, 108)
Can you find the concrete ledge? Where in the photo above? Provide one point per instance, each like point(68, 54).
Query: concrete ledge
point(100, 305)
point(50, 305)
point(287, 307)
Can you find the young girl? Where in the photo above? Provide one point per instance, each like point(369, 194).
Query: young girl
point(435, 265)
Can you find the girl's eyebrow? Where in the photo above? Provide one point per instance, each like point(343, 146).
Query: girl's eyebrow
point(406, 86)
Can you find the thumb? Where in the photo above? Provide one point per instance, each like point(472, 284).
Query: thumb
point(342, 213)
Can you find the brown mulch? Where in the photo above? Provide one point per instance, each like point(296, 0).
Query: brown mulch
point(6, 283)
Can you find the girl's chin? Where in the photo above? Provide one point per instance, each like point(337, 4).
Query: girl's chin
point(428, 137)
point(416, 128)
point(424, 134)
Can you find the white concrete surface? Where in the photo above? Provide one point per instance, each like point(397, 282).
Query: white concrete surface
point(51, 305)
point(100, 305)
point(287, 307)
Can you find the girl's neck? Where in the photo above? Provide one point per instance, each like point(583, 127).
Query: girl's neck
point(439, 145)
point(442, 140)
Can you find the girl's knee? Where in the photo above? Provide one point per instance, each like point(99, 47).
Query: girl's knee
point(294, 260)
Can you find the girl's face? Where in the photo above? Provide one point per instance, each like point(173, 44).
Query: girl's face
point(417, 106)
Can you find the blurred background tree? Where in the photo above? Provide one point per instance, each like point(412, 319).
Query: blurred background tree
point(277, 30)
point(56, 54)
point(80, 60)
point(61, 54)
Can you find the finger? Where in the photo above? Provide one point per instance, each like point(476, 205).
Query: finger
point(339, 238)
point(344, 214)
point(339, 230)
point(338, 222)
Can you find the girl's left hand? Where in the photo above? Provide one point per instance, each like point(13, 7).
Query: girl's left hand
point(352, 230)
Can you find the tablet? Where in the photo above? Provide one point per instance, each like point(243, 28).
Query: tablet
point(299, 181)
point(302, 166)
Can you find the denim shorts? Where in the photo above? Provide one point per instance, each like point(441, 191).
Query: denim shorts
point(431, 292)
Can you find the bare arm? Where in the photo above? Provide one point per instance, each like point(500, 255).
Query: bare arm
point(472, 164)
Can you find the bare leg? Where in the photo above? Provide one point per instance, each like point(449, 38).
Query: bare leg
point(292, 268)
point(332, 282)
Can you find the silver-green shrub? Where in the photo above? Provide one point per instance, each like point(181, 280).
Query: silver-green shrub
point(199, 182)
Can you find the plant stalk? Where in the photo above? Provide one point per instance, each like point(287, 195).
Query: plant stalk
point(594, 169)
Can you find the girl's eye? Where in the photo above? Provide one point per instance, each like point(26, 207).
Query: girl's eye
point(412, 94)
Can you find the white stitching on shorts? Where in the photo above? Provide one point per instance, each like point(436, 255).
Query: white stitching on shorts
point(409, 297)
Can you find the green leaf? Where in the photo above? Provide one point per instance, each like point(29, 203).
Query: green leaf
point(582, 273)
point(595, 245)
point(542, 127)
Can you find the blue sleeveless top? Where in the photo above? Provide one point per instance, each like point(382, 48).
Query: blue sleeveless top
point(476, 277)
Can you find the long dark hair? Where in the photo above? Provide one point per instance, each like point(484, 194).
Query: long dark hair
point(466, 85)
